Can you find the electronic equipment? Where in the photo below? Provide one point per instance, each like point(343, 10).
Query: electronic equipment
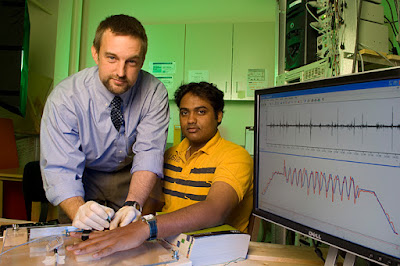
point(33, 225)
point(317, 70)
point(14, 54)
point(301, 39)
point(327, 162)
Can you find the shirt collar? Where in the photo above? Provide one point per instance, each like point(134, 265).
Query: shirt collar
point(208, 148)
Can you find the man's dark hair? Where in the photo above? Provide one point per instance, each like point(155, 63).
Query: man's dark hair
point(121, 25)
point(203, 90)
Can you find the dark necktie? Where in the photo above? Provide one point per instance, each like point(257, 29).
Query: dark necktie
point(116, 113)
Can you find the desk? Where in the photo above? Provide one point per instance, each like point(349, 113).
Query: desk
point(259, 253)
point(11, 174)
point(280, 255)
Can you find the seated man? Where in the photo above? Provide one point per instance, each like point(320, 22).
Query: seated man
point(208, 181)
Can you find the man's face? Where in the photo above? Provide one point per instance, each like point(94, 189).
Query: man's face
point(197, 119)
point(119, 59)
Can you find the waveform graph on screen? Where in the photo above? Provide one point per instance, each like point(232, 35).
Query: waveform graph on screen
point(352, 125)
point(327, 163)
point(335, 194)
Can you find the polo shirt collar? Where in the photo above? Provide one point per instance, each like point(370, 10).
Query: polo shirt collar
point(208, 148)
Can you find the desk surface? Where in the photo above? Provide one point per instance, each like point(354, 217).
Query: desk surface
point(11, 174)
point(280, 255)
point(259, 253)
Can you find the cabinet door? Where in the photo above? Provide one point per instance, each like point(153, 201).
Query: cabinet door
point(164, 59)
point(208, 54)
point(253, 58)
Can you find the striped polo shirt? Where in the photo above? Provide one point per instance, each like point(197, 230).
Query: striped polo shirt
point(187, 182)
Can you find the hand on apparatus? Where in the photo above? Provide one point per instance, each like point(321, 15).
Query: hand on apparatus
point(105, 243)
point(125, 216)
point(92, 215)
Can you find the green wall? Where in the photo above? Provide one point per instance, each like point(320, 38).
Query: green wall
point(237, 115)
point(72, 57)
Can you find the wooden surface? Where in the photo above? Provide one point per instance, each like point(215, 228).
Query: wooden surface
point(4, 221)
point(259, 254)
point(281, 255)
point(370, 56)
point(11, 174)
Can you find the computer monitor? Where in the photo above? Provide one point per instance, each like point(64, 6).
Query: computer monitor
point(327, 162)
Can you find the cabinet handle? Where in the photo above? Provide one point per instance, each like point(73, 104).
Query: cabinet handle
point(236, 90)
point(226, 86)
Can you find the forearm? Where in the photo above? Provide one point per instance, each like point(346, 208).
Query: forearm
point(192, 218)
point(213, 211)
point(142, 183)
point(71, 205)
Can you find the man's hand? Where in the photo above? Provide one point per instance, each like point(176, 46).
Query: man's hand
point(108, 242)
point(92, 215)
point(125, 216)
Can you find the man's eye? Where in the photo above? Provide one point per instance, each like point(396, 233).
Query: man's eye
point(133, 62)
point(202, 112)
point(184, 113)
point(111, 58)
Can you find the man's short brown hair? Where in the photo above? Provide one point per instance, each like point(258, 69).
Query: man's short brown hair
point(121, 25)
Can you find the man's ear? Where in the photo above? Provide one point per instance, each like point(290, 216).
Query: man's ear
point(144, 58)
point(219, 116)
point(95, 55)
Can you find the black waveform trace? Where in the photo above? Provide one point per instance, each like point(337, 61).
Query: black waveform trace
point(334, 126)
point(337, 125)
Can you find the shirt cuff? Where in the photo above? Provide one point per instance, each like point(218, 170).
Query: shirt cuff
point(148, 161)
point(62, 187)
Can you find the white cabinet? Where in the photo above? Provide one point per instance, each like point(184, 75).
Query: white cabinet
point(165, 53)
point(208, 54)
point(235, 57)
point(253, 58)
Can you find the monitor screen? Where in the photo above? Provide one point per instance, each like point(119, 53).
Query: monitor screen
point(14, 54)
point(327, 161)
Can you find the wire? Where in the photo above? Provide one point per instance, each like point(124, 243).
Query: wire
point(357, 37)
point(317, 250)
point(309, 11)
point(395, 32)
point(384, 57)
point(391, 10)
point(315, 28)
point(391, 43)
point(20, 245)
point(362, 61)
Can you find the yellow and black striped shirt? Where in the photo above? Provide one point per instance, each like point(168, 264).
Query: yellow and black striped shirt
point(188, 182)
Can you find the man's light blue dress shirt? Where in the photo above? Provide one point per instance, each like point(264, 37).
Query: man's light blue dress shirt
point(77, 132)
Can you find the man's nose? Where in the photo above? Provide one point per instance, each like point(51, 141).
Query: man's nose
point(191, 118)
point(121, 69)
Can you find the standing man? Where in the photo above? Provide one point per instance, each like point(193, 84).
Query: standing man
point(208, 180)
point(103, 131)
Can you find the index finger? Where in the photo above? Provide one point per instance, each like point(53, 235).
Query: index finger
point(92, 239)
point(98, 209)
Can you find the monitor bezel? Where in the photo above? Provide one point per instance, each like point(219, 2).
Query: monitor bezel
point(357, 249)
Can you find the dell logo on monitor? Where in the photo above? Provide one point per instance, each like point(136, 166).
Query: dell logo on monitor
point(314, 235)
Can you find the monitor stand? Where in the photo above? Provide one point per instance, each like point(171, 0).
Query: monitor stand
point(333, 255)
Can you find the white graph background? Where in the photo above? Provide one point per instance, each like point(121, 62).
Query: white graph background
point(335, 167)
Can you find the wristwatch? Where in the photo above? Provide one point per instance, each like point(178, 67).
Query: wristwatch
point(151, 220)
point(134, 204)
